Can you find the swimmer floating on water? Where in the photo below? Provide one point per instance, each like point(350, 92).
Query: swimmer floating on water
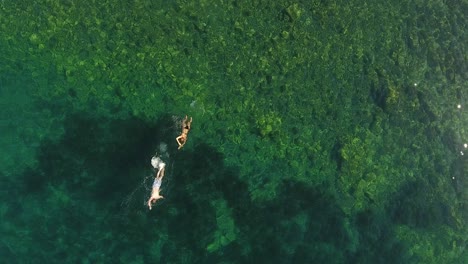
point(182, 139)
point(159, 165)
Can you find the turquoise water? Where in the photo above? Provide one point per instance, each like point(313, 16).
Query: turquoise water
point(323, 131)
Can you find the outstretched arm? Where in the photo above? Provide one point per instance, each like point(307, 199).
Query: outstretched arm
point(160, 173)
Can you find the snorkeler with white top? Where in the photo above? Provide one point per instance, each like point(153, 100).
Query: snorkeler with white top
point(158, 165)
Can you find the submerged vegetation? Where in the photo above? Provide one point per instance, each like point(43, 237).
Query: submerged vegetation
point(324, 131)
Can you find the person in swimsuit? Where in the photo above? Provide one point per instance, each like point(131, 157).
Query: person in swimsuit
point(185, 129)
point(158, 165)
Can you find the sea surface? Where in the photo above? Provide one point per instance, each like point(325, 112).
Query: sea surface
point(322, 131)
